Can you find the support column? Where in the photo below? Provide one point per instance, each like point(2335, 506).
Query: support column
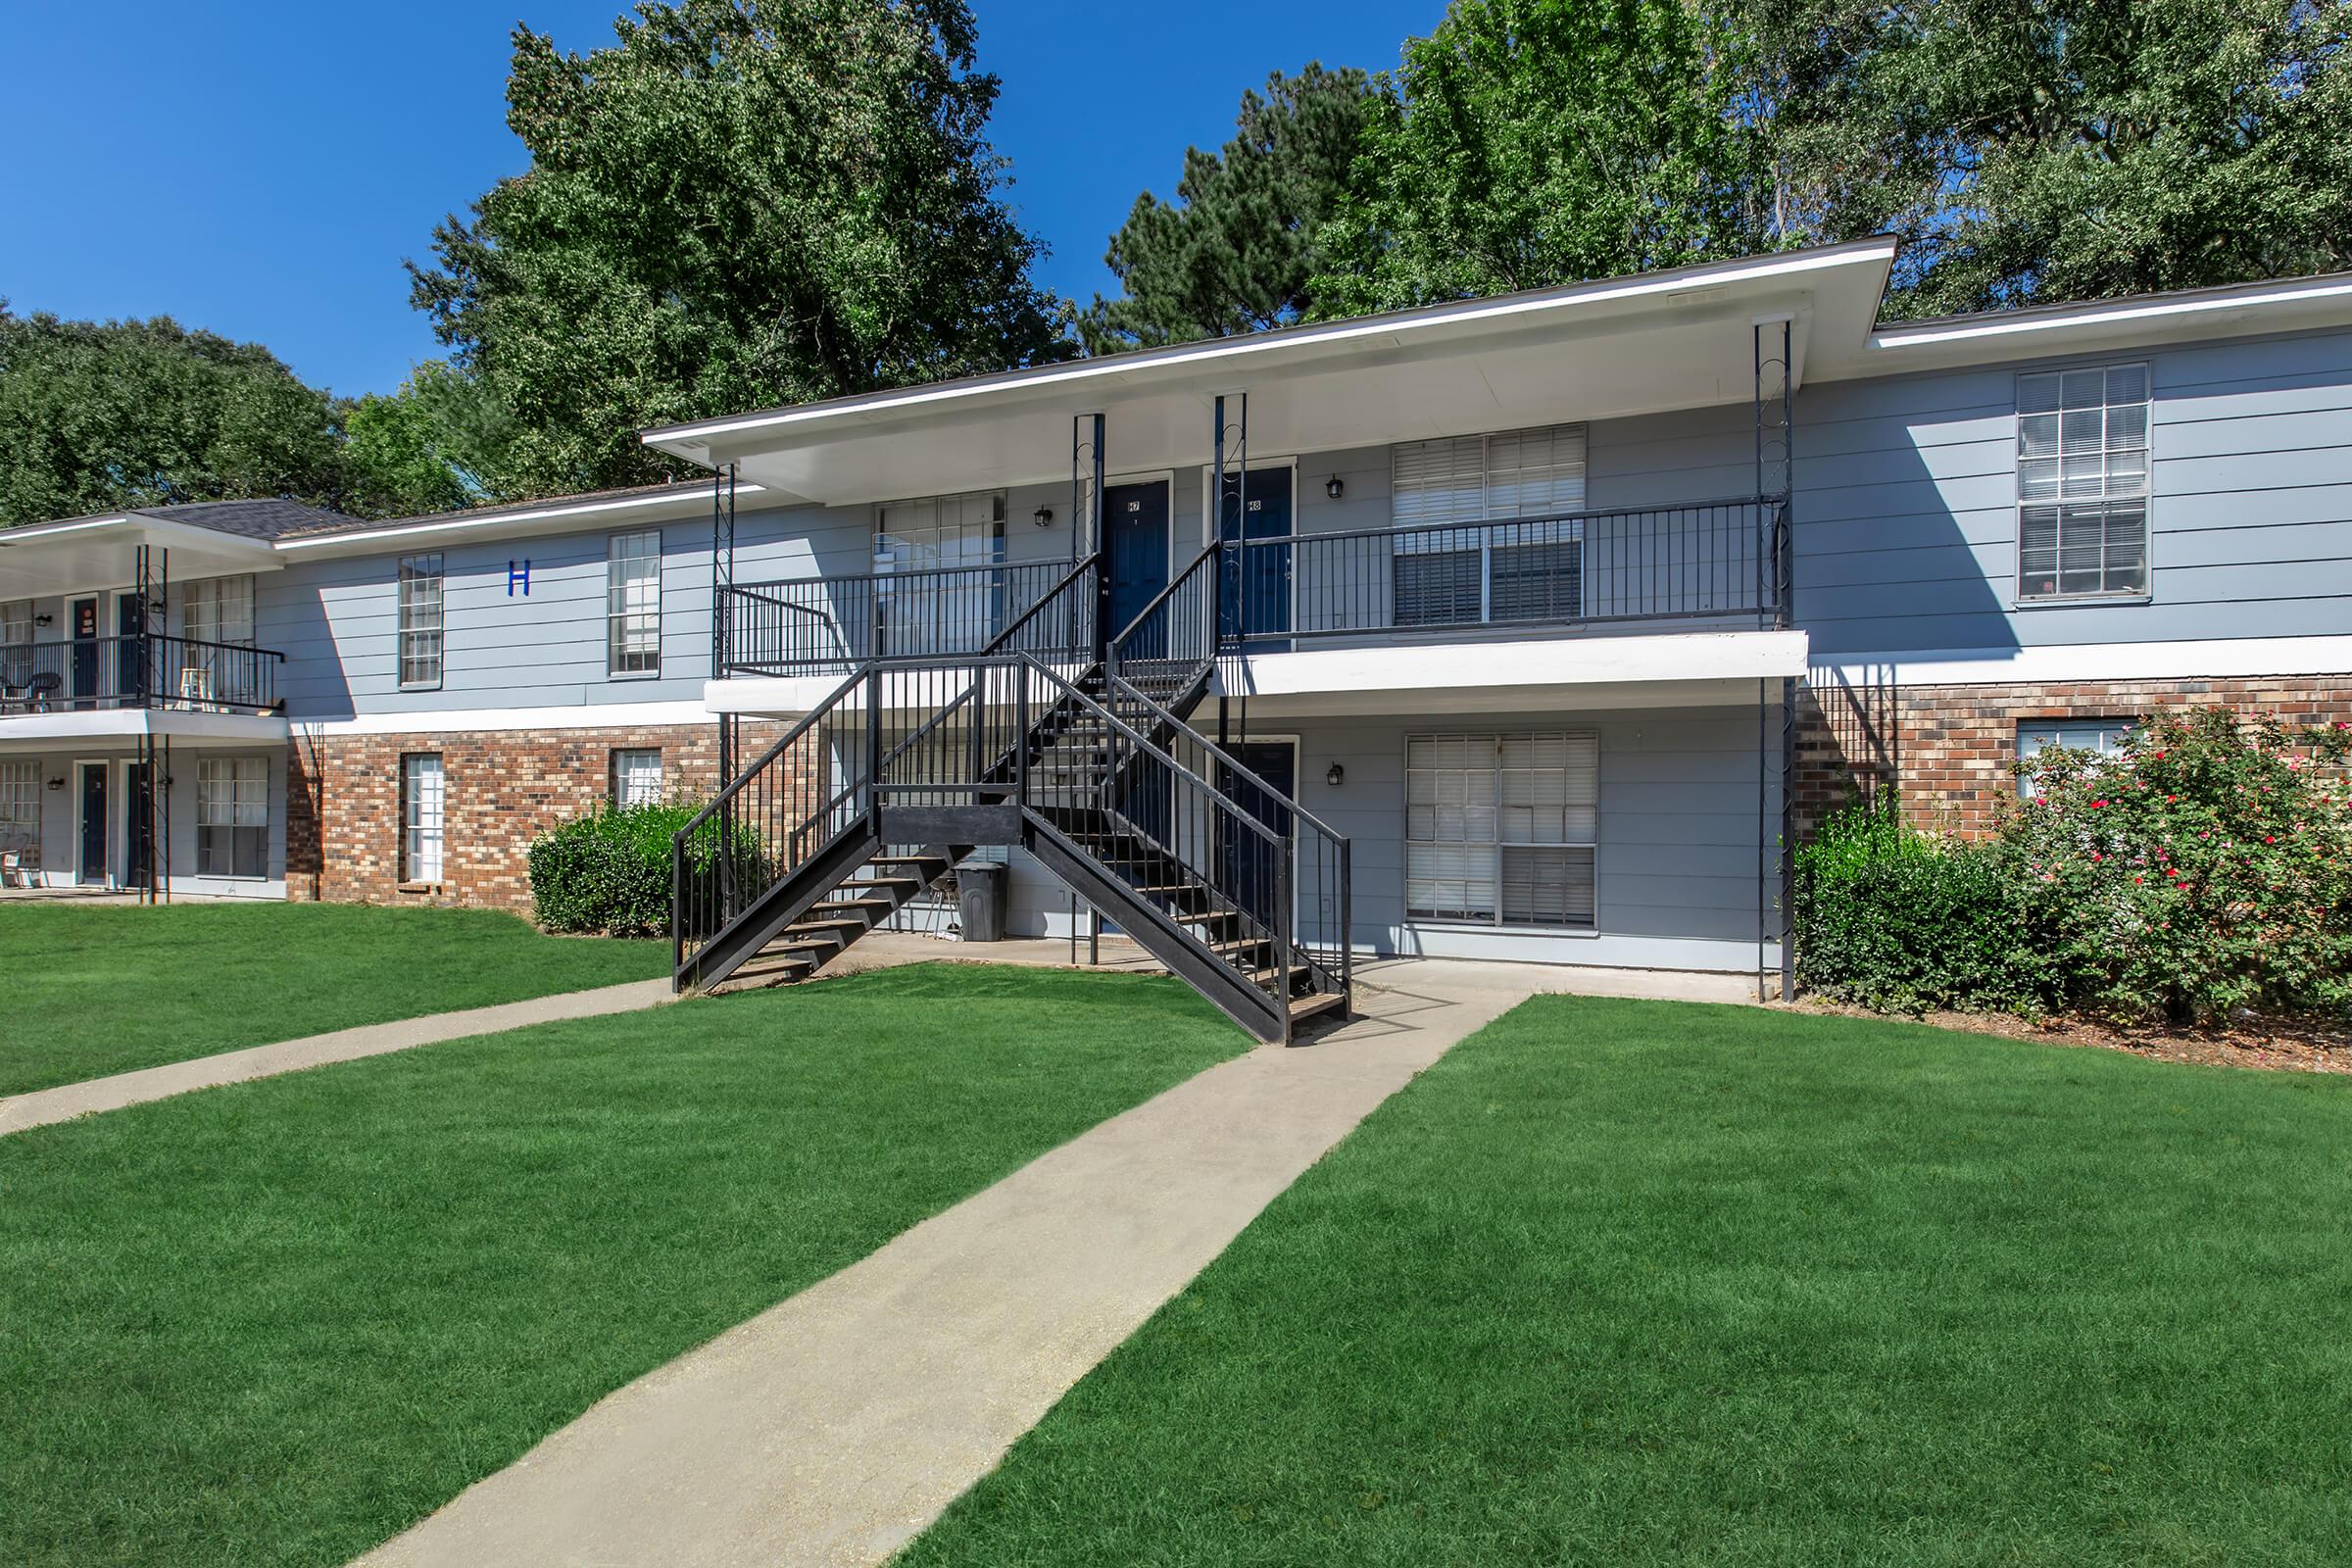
point(1776, 604)
point(1229, 599)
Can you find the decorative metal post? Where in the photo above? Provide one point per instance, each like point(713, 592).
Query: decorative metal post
point(722, 583)
point(1230, 600)
point(1776, 602)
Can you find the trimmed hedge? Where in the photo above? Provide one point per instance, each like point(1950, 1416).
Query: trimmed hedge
point(610, 870)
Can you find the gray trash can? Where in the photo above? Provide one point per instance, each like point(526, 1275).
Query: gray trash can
point(980, 901)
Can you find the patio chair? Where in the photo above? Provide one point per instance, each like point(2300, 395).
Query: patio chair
point(40, 692)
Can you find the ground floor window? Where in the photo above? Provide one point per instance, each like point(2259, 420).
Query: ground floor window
point(232, 816)
point(21, 801)
point(2103, 737)
point(1502, 828)
point(636, 775)
point(420, 800)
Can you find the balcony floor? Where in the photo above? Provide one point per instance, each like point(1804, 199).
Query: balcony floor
point(49, 731)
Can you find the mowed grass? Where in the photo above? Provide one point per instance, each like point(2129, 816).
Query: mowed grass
point(277, 1323)
point(99, 988)
point(1627, 1283)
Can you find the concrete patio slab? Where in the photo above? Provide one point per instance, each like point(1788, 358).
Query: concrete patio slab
point(835, 1425)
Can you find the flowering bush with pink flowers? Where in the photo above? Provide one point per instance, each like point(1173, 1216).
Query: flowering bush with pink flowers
point(2208, 868)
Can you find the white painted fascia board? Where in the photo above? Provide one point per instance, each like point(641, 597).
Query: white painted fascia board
point(572, 715)
point(692, 440)
point(550, 518)
point(2219, 659)
point(255, 552)
point(26, 732)
point(2249, 307)
point(1500, 667)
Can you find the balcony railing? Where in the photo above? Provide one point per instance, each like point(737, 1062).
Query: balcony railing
point(1699, 562)
point(178, 673)
point(831, 626)
point(1695, 563)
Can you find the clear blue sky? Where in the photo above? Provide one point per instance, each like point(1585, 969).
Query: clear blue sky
point(259, 168)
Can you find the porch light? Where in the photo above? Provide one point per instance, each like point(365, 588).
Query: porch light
point(44, 619)
point(57, 783)
point(1335, 775)
point(1044, 517)
point(1332, 488)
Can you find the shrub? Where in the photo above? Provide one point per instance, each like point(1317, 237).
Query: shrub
point(1893, 918)
point(610, 870)
point(2207, 870)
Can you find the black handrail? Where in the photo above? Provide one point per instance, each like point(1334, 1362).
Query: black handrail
point(831, 624)
point(156, 671)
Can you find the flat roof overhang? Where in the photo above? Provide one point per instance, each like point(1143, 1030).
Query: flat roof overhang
point(1623, 346)
point(92, 553)
point(105, 728)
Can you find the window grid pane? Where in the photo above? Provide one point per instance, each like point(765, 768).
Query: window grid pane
point(232, 816)
point(1502, 828)
point(20, 797)
point(2082, 476)
point(637, 775)
point(633, 604)
point(16, 623)
point(421, 620)
point(420, 806)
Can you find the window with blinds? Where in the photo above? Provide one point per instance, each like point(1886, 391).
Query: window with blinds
point(633, 604)
point(232, 816)
point(636, 775)
point(944, 599)
point(2082, 484)
point(1483, 534)
point(220, 609)
point(1502, 828)
point(420, 806)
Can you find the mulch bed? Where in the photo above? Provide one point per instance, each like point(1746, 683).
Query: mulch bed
point(2272, 1044)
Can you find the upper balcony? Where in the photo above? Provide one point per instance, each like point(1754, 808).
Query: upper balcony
point(99, 687)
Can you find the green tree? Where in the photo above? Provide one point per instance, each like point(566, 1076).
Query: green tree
point(435, 445)
point(2065, 149)
point(102, 414)
point(739, 202)
point(1533, 142)
point(1238, 249)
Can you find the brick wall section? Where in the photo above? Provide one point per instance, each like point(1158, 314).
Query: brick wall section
point(502, 789)
point(1949, 748)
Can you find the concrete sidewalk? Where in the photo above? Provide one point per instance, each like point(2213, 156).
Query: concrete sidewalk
point(67, 1101)
point(835, 1425)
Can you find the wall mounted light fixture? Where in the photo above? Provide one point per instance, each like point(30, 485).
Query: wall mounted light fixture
point(1044, 517)
point(1332, 488)
point(57, 783)
point(44, 619)
point(1335, 775)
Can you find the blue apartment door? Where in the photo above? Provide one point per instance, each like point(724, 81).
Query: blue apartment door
point(1135, 519)
point(1249, 859)
point(82, 614)
point(90, 867)
point(1256, 587)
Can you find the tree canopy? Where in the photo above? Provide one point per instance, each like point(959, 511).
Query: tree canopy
point(1238, 248)
point(2065, 149)
point(739, 202)
point(102, 414)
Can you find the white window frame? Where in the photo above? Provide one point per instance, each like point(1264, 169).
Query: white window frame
point(424, 819)
point(2060, 470)
point(232, 796)
point(2103, 737)
point(219, 610)
point(620, 785)
point(1426, 513)
point(1484, 762)
point(20, 797)
point(633, 605)
point(420, 593)
point(16, 623)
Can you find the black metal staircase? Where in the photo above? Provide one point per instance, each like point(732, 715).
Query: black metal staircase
point(1072, 745)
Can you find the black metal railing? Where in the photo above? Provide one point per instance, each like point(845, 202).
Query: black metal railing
point(1699, 561)
point(831, 626)
point(155, 671)
point(1175, 633)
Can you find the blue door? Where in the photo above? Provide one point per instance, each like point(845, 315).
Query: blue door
point(1135, 519)
point(1256, 591)
point(91, 866)
point(83, 615)
point(1250, 860)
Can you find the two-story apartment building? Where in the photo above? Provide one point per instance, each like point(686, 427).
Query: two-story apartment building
point(1562, 610)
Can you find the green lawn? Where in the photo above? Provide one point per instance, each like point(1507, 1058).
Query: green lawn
point(279, 1322)
point(1624, 1282)
point(106, 988)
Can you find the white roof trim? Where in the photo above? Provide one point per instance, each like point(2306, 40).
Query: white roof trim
point(505, 519)
point(1646, 285)
point(51, 530)
point(2113, 312)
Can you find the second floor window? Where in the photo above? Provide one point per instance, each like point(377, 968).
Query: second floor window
point(420, 623)
point(16, 623)
point(633, 604)
point(220, 609)
point(1521, 561)
point(2082, 484)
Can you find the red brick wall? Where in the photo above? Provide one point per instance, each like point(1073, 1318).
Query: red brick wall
point(501, 788)
point(1949, 748)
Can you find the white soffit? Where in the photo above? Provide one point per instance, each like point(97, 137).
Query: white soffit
point(1663, 340)
point(97, 552)
point(554, 517)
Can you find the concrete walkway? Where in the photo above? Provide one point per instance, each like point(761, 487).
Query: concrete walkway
point(42, 1106)
point(834, 1427)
